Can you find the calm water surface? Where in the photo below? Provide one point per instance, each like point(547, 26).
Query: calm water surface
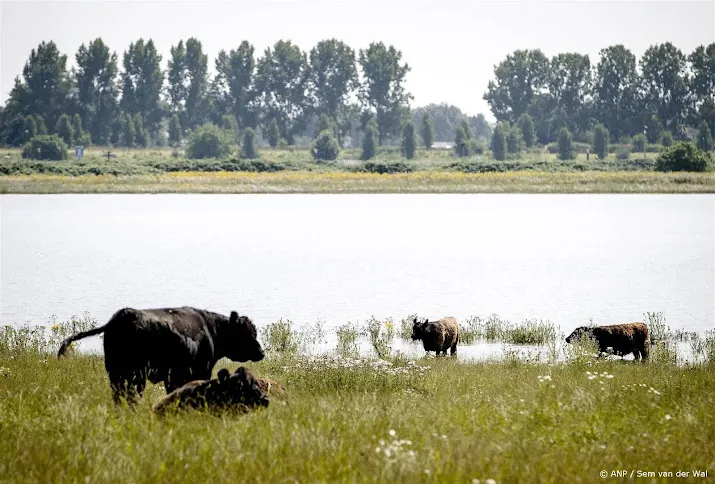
point(340, 258)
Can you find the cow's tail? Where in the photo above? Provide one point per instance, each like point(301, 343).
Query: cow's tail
point(83, 334)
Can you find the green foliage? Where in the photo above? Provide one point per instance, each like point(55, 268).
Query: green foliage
point(347, 335)
point(233, 90)
point(427, 131)
point(380, 335)
point(664, 75)
point(623, 153)
point(77, 127)
point(280, 337)
point(705, 139)
point(44, 147)
point(600, 141)
point(654, 129)
point(639, 143)
point(333, 76)
point(248, 144)
point(387, 167)
point(666, 139)
point(528, 131)
point(174, 131)
point(96, 82)
point(65, 130)
point(128, 132)
point(409, 143)
point(683, 156)
point(141, 136)
point(513, 140)
point(30, 128)
point(369, 141)
point(142, 80)
point(274, 134)
point(325, 122)
point(461, 140)
point(326, 146)
point(499, 142)
point(188, 82)
point(41, 126)
point(208, 141)
point(229, 123)
point(565, 147)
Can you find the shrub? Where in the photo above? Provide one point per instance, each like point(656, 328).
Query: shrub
point(280, 337)
point(565, 148)
point(623, 153)
point(600, 141)
point(273, 134)
point(666, 139)
point(229, 123)
point(409, 144)
point(460, 142)
point(639, 143)
point(528, 131)
point(44, 147)
point(248, 145)
point(513, 141)
point(208, 141)
point(705, 139)
point(65, 130)
point(326, 146)
point(141, 135)
point(77, 126)
point(383, 167)
point(499, 143)
point(683, 156)
point(128, 132)
point(30, 128)
point(326, 122)
point(476, 147)
point(427, 131)
point(174, 131)
point(369, 141)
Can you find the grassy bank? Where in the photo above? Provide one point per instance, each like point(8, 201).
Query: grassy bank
point(346, 182)
point(349, 419)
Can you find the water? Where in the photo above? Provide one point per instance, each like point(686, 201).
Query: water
point(340, 258)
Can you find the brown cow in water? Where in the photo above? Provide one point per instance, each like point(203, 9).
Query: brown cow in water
point(437, 336)
point(169, 345)
point(622, 338)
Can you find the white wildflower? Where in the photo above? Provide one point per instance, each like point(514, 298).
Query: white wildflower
point(392, 433)
point(667, 416)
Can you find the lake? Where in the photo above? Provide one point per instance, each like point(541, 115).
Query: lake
point(338, 258)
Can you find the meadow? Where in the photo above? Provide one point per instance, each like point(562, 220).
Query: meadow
point(365, 418)
point(292, 170)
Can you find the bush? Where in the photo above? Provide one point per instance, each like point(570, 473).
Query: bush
point(565, 148)
point(208, 141)
point(427, 131)
point(248, 145)
point(476, 147)
point(528, 132)
point(174, 131)
point(705, 139)
point(409, 143)
point(499, 143)
point(683, 156)
point(513, 141)
point(600, 141)
point(639, 143)
point(383, 167)
point(65, 130)
point(45, 147)
point(273, 135)
point(369, 141)
point(623, 153)
point(326, 122)
point(326, 146)
point(666, 139)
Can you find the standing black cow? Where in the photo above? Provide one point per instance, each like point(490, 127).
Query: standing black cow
point(169, 345)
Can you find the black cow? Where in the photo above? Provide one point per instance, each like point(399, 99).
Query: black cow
point(169, 345)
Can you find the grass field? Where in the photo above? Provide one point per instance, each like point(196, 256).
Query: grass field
point(293, 171)
point(365, 420)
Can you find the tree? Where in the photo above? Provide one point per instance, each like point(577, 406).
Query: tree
point(141, 136)
point(233, 89)
point(427, 131)
point(513, 140)
point(333, 77)
point(616, 91)
point(565, 144)
point(666, 139)
point(480, 127)
point(461, 141)
point(77, 127)
point(654, 128)
point(30, 127)
point(174, 131)
point(600, 141)
point(409, 143)
point(705, 139)
point(97, 89)
point(325, 122)
point(702, 62)
point(383, 90)
point(44, 86)
point(208, 141)
point(326, 146)
point(518, 78)
point(639, 142)
point(40, 123)
point(282, 79)
point(274, 134)
point(128, 131)
point(142, 80)
point(499, 142)
point(188, 83)
point(229, 123)
point(369, 141)
point(664, 84)
point(248, 145)
point(528, 132)
point(570, 85)
point(64, 129)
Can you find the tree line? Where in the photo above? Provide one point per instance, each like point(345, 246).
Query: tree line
point(280, 92)
point(665, 91)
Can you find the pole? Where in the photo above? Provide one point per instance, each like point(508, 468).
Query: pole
point(645, 140)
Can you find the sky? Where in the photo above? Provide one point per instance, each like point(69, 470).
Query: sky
point(451, 46)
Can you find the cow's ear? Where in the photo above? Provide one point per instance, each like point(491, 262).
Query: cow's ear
point(223, 375)
point(234, 317)
point(414, 320)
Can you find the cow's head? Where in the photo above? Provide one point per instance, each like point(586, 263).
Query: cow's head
point(418, 328)
point(242, 344)
point(579, 333)
point(244, 388)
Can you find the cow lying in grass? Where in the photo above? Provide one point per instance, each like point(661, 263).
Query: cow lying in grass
point(170, 345)
point(622, 338)
point(437, 336)
point(238, 392)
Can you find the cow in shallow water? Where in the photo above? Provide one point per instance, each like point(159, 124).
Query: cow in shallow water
point(169, 345)
point(437, 335)
point(623, 338)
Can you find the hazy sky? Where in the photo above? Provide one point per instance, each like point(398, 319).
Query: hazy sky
point(451, 45)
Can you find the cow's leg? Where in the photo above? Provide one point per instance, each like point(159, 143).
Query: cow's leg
point(136, 389)
point(120, 387)
point(453, 349)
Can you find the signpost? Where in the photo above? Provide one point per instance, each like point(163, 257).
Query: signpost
point(79, 152)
